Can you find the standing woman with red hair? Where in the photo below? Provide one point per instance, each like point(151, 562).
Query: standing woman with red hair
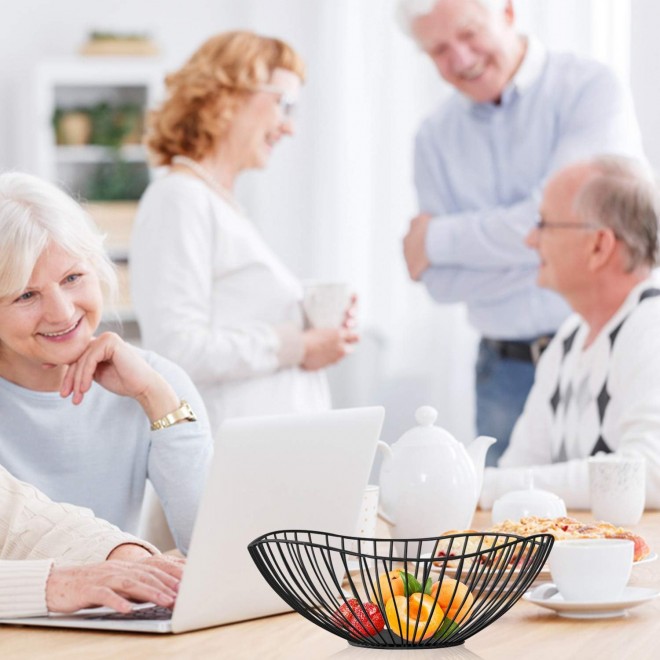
point(209, 293)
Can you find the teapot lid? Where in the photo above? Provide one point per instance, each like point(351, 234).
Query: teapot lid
point(529, 496)
point(425, 433)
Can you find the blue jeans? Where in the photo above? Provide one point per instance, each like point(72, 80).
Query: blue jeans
point(502, 388)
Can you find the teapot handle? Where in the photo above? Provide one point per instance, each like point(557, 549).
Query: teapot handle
point(384, 447)
point(387, 450)
point(385, 517)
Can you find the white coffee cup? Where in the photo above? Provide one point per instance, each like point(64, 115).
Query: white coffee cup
point(617, 488)
point(368, 512)
point(366, 527)
point(591, 570)
point(325, 303)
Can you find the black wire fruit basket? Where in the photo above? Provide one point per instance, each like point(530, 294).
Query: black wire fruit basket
point(400, 593)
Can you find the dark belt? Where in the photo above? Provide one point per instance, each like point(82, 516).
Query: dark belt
point(525, 351)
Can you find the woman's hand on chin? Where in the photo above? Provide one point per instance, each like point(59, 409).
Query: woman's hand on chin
point(119, 368)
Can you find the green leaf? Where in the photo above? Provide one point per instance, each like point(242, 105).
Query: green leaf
point(447, 628)
point(410, 584)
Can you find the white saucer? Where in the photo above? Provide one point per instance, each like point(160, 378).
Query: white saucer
point(649, 558)
point(546, 595)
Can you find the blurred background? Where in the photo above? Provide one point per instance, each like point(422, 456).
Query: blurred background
point(336, 200)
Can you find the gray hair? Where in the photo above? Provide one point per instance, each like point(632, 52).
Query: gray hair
point(34, 213)
point(623, 197)
point(409, 10)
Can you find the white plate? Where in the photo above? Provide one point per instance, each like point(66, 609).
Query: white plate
point(546, 595)
point(543, 573)
point(451, 571)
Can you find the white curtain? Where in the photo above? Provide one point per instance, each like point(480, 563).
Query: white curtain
point(337, 198)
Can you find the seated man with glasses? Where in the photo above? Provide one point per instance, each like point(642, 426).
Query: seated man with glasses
point(597, 385)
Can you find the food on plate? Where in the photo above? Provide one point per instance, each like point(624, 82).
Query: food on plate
point(569, 528)
point(360, 619)
point(455, 551)
point(414, 618)
point(465, 544)
point(454, 598)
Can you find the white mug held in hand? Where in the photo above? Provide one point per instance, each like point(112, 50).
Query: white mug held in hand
point(617, 488)
point(591, 570)
point(325, 303)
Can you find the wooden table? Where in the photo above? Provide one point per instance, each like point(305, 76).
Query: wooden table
point(526, 631)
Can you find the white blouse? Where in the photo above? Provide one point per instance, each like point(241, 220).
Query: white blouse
point(212, 296)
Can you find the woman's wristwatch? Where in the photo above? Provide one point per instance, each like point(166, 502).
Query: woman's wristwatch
point(184, 413)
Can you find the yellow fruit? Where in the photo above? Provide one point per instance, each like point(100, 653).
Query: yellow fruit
point(391, 585)
point(415, 618)
point(455, 599)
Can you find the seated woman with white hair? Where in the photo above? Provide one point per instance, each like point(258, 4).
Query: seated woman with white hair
point(86, 419)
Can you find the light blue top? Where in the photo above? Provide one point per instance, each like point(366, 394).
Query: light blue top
point(480, 169)
point(100, 453)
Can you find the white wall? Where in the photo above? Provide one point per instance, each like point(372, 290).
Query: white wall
point(32, 30)
point(644, 58)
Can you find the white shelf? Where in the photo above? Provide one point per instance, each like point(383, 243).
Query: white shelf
point(82, 83)
point(91, 153)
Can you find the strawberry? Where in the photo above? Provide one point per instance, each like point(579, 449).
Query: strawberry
point(360, 619)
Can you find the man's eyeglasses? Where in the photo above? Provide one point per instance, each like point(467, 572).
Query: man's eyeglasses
point(544, 224)
point(286, 103)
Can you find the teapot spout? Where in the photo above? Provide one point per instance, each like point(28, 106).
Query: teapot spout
point(477, 450)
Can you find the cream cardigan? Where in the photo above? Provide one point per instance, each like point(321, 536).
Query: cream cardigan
point(33, 532)
point(212, 296)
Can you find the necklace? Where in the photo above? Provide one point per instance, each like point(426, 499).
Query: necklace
point(209, 180)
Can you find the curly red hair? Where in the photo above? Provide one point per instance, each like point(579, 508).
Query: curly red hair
point(203, 95)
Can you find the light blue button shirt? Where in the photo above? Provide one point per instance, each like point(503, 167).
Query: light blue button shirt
point(480, 169)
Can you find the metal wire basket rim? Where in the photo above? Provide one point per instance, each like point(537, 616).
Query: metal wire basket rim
point(512, 539)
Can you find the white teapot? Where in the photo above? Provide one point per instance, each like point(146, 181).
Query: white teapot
point(429, 482)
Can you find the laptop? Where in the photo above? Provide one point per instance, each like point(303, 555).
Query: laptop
point(268, 473)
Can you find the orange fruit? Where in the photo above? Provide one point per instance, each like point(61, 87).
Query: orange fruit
point(455, 599)
point(391, 585)
point(403, 613)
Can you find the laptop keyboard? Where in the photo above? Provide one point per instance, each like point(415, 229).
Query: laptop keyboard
point(155, 613)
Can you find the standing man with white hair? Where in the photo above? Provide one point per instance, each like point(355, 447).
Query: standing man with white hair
point(481, 159)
